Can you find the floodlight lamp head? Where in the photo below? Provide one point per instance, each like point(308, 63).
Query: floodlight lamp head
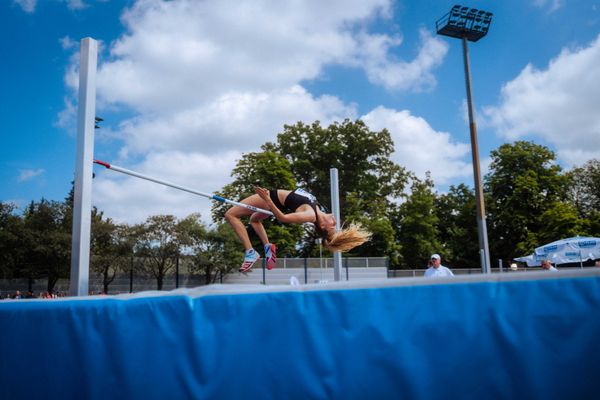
point(464, 23)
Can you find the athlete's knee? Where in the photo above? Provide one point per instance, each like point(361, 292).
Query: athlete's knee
point(230, 215)
point(256, 218)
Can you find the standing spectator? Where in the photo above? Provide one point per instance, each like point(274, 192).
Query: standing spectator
point(436, 268)
point(597, 264)
point(547, 265)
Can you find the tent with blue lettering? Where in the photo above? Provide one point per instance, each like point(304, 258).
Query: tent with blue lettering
point(571, 250)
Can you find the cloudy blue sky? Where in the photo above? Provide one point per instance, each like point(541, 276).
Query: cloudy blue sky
point(187, 86)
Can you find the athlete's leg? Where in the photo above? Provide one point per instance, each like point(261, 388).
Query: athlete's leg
point(235, 213)
point(256, 222)
point(270, 249)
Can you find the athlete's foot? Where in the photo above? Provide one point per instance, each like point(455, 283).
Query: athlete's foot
point(271, 255)
point(249, 259)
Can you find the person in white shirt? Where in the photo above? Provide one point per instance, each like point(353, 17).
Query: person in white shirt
point(437, 269)
point(547, 265)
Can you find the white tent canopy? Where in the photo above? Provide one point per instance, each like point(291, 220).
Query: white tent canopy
point(571, 250)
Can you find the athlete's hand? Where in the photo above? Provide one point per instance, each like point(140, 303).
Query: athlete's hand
point(262, 192)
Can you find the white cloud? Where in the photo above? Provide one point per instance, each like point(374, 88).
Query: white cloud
point(550, 5)
point(67, 118)
point(393, 74)
point(30, 5)
point(233, 121)
point(28, 174)
point(27, 5)
point(206, 81)
point(76, 4)
point(67, 43)
point(419, 147)
point(558, 103)
point(128, 199)
point(181, 53)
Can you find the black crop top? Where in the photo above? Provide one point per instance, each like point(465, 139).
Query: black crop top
point(294, 200)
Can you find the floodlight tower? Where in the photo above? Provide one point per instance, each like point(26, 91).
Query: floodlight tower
point(469, 24)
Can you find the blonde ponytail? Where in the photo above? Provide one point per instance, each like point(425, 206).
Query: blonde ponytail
point(347, 239)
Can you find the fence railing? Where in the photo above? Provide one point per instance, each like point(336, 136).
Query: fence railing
point(316, 268)
point(410, 273)
point(350, 262)
point(136, 281)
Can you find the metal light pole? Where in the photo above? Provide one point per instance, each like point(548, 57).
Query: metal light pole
point(469, 24)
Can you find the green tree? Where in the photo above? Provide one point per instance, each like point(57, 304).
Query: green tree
point(584, 185)
point(47, 241)
point(457, 226)
point(417, 231)
point(523, 185)
point(368, 179)
point(216, 253)
point(161, 240)
point(11, 246)
point(267, 169)
point(361, 156)
point(593, 223)
point(111, 246)
point(304, 155)
point(380, 222)
point(559, 221)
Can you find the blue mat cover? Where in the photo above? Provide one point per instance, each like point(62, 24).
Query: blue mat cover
point(534, 339)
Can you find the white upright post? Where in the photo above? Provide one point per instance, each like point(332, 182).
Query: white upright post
point(82, 207)
point(335, 208)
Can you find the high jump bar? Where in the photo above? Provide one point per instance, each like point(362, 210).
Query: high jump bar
point(185, 189)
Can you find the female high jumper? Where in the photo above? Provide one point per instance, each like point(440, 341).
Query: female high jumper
point(301, 207)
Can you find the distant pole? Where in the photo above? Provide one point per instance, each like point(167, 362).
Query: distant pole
point(305, 270)
point(335, 209)
point(177, 271)
point(320, 243)
point(131, 275)
point(82, 206)
point(469, 24)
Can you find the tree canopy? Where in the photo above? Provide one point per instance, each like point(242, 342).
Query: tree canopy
point(303, 155)
point(530, 201)
point(527, 196)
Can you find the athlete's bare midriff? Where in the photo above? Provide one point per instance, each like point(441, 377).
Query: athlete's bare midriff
point(282, 194)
